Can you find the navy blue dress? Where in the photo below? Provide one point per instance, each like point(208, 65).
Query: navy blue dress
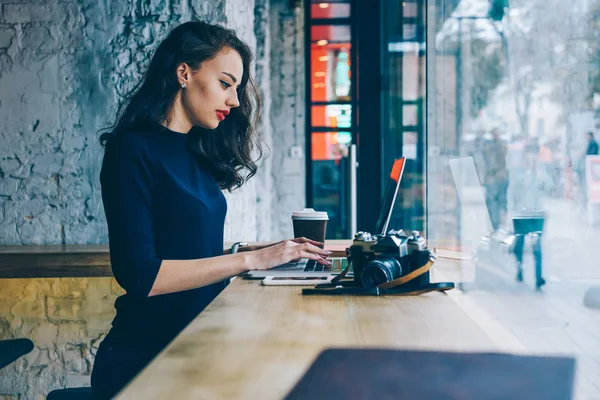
point(160, 204)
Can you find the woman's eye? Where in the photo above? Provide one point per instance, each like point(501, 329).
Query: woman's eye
point(225, 84)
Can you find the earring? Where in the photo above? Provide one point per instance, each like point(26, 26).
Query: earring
point(183, 85)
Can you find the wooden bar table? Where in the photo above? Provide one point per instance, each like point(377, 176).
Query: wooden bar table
point(77, 260)
point(55, 261)
point(255, 342)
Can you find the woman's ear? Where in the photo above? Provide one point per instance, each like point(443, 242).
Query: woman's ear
point(183, 74)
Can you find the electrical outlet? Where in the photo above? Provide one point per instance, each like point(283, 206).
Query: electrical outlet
point(296, 152)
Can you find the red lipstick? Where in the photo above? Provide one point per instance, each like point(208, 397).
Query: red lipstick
point(221, 114)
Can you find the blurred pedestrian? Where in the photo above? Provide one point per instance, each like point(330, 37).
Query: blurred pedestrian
point(496, 178)
point(592, 148)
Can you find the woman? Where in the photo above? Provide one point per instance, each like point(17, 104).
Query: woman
point(184, 134)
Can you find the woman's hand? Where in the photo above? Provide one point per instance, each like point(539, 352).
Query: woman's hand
point(297, 240)
point(287, 251)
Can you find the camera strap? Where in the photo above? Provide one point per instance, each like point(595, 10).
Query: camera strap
point(340, 276)
point(409, 277)
point(339, 286)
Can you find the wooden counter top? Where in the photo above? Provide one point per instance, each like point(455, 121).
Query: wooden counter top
point(56, 261)
point(254, 342)
point(76, 261)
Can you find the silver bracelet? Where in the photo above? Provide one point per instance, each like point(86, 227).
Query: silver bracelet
point(236, 246)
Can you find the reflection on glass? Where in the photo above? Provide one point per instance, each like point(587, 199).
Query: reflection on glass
point(324, 9)
point(330, 180)
point(475, 217)
point(330, 145)
point(334, 34)
point(409, 115)
point(342, 74)
point(330, 81)
point(409, 8)
point(403, 105)
point(409, 32)
point(331, 74)
point(412, 86)
point(409, 145)
point(330, 66)
point(521, 105)
point(333, 115)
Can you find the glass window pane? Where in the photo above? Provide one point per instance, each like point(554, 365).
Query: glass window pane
point(328, 9)
point(334, 34)
point(409, 9)
point(330, 145)
point(404, 69)
point(409, 145)
point(330, 63)
point(330, 180)
point(508, 122)
point(334, 115)
point(409, 32)
point(413, 85)
point(409, 115)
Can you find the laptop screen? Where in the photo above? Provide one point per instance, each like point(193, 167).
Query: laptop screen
point(389, 196)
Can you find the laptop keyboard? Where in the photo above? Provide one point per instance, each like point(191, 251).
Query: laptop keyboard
point(338, 264)
point(312, 265)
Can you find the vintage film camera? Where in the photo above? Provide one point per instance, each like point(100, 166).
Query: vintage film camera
point(385, 264)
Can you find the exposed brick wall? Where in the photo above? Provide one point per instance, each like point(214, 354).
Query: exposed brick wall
point(66, 319)
point(267, 210)
point(288, 111)
point(63, 69)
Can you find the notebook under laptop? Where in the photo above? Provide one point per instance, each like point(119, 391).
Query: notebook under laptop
point(309, 268)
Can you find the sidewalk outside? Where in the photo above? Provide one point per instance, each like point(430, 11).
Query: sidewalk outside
point(555, 320)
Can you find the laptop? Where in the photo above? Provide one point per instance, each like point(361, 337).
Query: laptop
point(309, 268)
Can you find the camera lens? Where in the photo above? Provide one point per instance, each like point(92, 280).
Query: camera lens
point(380, 269)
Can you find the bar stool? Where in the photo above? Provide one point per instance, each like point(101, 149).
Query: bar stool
point(80, 393)
point(12, 349)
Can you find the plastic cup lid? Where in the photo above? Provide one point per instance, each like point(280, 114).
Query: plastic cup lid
point(528, 214)
point(309, 213)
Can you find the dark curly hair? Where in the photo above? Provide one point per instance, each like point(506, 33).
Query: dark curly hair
point(237, 147)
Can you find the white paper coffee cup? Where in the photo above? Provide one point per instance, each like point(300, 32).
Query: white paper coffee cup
point(310, 224)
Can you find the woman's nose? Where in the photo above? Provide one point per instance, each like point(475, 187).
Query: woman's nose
point(233, 100)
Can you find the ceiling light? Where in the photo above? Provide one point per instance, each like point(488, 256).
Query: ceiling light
point(322, 42)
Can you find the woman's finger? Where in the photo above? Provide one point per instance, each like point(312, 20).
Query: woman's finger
point(307, 240)
point(315, 249)
point(315, 243)
point(315, 257)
